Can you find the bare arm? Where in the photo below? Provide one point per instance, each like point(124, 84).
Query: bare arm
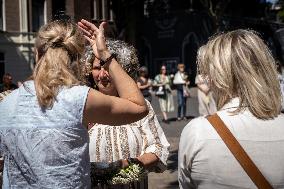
point(111, 110)
point(143, 86)
point(148, 160)
point(105, 109)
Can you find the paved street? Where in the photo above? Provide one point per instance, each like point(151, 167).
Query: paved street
point(168, 179)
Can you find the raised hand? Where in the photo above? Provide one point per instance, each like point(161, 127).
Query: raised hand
point(96, 38)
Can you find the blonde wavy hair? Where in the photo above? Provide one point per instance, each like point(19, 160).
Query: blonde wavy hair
point(239, 64)
point(58, 45)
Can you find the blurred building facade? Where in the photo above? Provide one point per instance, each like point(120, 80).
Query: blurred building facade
point(165, 32)
point(21, 19)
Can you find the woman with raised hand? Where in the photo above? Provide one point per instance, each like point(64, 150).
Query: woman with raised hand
point(113, 148)
point(43, 128)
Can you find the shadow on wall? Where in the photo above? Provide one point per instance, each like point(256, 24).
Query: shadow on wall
point(17, 51)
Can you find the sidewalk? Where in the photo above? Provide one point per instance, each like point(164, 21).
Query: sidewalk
point(168, 179)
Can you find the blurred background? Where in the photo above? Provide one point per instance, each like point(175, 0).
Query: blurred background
point(163, 31)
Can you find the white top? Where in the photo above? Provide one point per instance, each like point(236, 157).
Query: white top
point(206, 162)
point(112, 143)
point(179, 78)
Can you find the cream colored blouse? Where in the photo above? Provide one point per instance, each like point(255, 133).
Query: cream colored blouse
point(205, 162)
point(112, 143)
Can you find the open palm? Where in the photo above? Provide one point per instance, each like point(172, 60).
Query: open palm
point(96, 38)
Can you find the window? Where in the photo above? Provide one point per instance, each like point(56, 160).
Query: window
point(37, 14)
point(2, 65)
point(101, 10)
point(57, 7)
point(1, 14)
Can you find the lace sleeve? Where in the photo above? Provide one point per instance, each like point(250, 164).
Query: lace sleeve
point(156, 139)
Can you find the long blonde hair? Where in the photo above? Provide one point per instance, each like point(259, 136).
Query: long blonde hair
point(59, 45)
point(239, 64)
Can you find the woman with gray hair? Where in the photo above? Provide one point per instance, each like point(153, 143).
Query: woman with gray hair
point(243, 76)
point(115, 148)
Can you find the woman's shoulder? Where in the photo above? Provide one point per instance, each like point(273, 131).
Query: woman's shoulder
point(74, 91)
point(199, 128)
point(77, 87)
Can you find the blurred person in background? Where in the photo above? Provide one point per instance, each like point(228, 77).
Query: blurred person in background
point(144, 83)
point(181, 84)
point(113, 148)
point(7, 84)
point(164, 93)
point(243, 76)
point(206, 102)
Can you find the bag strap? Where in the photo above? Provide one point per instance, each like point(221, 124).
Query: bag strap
point(239, 153)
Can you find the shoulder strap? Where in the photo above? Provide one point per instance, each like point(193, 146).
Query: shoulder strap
point(239, 153)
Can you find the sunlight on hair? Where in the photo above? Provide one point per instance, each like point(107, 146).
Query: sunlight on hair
point(239, 64)
point(58, 45)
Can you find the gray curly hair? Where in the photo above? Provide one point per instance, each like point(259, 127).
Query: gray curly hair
point(126, 56)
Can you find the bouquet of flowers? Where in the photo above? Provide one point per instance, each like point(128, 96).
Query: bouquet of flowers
point(113, 173)
point(132, 173)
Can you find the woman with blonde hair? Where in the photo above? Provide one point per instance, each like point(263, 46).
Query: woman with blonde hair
point(243, 76)
point(43, 128)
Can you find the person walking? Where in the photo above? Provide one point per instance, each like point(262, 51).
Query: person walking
point(162, 81)
point(181, 82)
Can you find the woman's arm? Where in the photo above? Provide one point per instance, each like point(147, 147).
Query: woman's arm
point(143, 86)
point(130, 106)
point(156, 150)
point(148, 160)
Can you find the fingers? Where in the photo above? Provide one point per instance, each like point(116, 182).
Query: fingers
point(85, 31)
point(89, 25)
point(89, 30)
point(89, 40)
point(102, 26)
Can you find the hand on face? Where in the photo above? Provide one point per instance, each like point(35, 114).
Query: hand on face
point(104, 77)
point(103, 80)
